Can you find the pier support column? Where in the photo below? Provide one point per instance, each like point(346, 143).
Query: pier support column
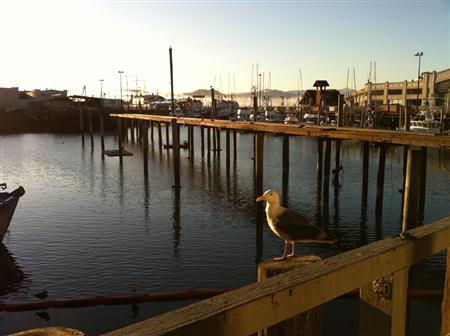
point(309, 323)
point(119, 138)
point(326, 170)
point(423, 183)
point(81, 112)
point(167, 138)
point(176, 153)
point(202, 140)
point(234, 145)
point(102, 131)
point(259, 163)
point(380, 178)
point(337, 162)
point(218, 140)
point(144, 126)
point(160, 141)
point(411, 196)
point(91, 130)
point(227, 145)
point(191, 142)
point(319, 159)
point(132, 124)
point(208, 142)
point(152, 126)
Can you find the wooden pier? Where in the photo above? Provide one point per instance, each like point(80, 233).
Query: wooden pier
point(384, 263)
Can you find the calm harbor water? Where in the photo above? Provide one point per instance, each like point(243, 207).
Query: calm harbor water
point(88, 226)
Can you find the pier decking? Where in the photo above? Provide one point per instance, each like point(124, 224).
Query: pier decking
point(342, 133)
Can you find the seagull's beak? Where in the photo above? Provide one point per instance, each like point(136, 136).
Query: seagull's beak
point(261, 198)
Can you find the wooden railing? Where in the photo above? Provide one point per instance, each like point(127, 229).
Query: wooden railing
point(259, 305)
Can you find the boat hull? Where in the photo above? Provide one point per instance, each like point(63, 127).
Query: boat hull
point(8, 204)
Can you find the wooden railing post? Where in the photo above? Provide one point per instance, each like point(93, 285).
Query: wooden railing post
point(309, 323)
point(176, 152)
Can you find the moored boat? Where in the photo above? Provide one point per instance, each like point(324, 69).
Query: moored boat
point(8, 203)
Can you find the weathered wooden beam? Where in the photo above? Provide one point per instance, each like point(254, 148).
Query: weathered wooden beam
point(445, 307)
point(344, 133)
point(259, 305)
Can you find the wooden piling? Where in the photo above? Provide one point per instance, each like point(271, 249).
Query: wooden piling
point(132, 130)
point(365, 163)
point(412, 190)
point(319, 159)
point(102, 131)
point(160, 141)
point(119, 137)
point(309, 323)
point(167, 137)
point(82, 125)
point(91, 130)
point(259, 163)
point(176, 152)
point(227, 149)
point(208, 141)
point(326, 168)
point(218, 140)
point(234, 145)
point(151, 130)
point(202, 140)
point(337, 162)
point(423, 183)
point(380, 175)
point(144, 126)
point(214, 139)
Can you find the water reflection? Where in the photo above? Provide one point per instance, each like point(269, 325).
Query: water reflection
point(176, 222)
point(10, 273)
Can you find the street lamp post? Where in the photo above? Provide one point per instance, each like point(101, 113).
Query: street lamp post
point(121, 101)
point(408, 112)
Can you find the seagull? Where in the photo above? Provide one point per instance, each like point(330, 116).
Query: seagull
point(290, 226)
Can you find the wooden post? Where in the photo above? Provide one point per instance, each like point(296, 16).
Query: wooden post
point(326, 170)
point(218, 140)
point(151, 130)
point(405, 163)
point(234, 145)
point(172, 101)
point(167, 137)
point(383, 303)
point(319, 159)
point(337, 162)
point(380, 176)
point(132, 130)
point(441, 128)
point(365, 162)
point(91, 131)
point(214, 139)
point(445, 307)
point(202, 140)
point(213, 105)
point(208, 141)
point(340, 119)
point(144, 125)
point(82, 125)
point(102, 131)
point(412, 190)
point(191, 143)
point(176, 153)
point(259, 163)
point(227, 144)
point(119, 137)
point(160, 141)
point(423, 182)
point(309, 323)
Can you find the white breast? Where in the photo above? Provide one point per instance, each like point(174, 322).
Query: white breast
point(272, 212)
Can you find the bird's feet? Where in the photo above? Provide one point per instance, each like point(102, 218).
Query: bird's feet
point(281, 258)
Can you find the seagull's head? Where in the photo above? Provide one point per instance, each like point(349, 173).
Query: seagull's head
point(271, 196)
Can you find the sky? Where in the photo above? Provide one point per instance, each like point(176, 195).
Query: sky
point(71, 44)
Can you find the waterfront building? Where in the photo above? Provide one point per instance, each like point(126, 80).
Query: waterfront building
point(432, 90)
point(9, 99)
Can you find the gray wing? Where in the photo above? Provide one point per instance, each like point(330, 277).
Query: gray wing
point(297, 227)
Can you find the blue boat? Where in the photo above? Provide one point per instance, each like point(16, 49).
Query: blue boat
point(8, 203)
